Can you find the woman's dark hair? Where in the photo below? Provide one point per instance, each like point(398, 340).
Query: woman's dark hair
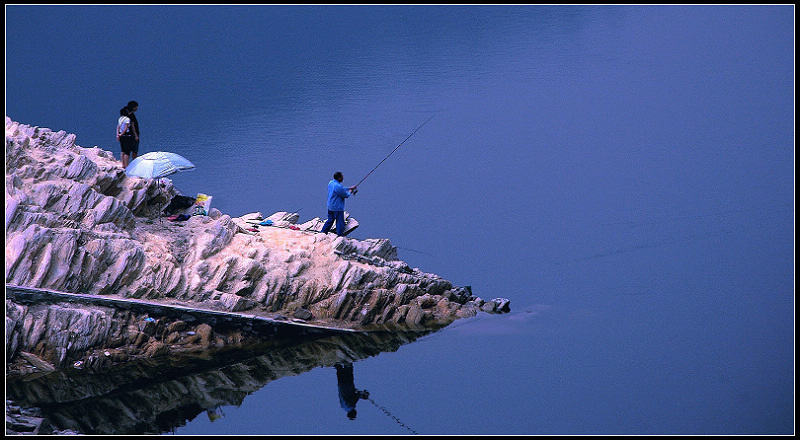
point(123, 111)
point(338, 175)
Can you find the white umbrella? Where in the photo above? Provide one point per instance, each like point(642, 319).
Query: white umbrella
point(158, 164)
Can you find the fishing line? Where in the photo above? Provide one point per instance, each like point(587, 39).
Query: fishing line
point(386, 411)
point(395, 149)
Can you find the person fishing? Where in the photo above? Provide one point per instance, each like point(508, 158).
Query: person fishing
point(337, 192)
point(336, 195)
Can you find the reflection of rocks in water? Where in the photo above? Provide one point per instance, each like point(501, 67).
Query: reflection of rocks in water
point(158, 395)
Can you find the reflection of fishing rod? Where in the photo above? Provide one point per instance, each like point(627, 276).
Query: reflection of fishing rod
point(395, 149)
point(386, 411)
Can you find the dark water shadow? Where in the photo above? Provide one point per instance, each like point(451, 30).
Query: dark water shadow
point(157, 396)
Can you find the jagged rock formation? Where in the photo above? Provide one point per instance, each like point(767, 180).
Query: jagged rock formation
point(76, 223)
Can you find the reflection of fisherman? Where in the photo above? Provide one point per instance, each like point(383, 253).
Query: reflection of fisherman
point(214, 413)
point(348, 394)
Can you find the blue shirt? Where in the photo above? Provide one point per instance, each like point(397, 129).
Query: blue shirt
point(336, 195)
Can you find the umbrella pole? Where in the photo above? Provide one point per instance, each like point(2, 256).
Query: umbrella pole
point(161, 207)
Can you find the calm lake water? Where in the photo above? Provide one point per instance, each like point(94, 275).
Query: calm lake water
point(624, 175)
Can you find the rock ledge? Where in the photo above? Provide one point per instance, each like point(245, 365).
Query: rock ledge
point(76, 223)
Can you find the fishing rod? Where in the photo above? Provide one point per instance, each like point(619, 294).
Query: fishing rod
point(395, 149)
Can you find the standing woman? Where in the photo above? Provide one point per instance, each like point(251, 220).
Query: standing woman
point(132, 107)
point(127, 137)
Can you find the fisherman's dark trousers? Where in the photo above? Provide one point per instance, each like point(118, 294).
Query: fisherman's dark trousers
point(337, 216)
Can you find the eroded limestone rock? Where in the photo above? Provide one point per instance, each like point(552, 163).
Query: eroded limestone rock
point(76, 223)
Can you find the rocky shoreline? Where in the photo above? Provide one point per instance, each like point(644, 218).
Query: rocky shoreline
point(75, 223)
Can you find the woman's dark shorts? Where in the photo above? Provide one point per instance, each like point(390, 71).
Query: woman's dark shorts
point(129, 144)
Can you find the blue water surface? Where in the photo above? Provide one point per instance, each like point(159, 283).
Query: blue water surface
point(624, 175)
